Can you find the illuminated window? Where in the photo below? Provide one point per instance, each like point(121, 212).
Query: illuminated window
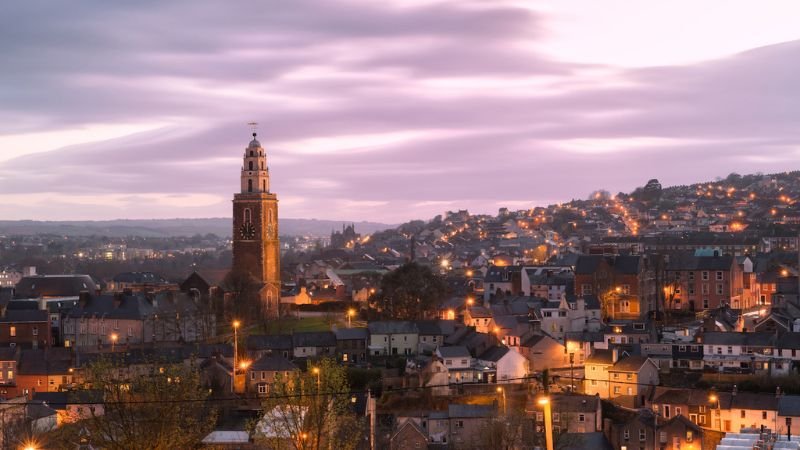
point(13, 331)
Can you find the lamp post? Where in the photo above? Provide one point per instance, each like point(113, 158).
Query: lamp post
point(789, 429)
point(502, 392)
point(235, 324)
point(571, 349)
point(548, 422)
point(114, 337)
point(315, 370)
point(350, 313)
point(714, 398)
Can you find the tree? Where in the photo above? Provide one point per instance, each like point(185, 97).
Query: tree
point(309, 410)
point(148, 406)
point(411, 292)
point(244, 298)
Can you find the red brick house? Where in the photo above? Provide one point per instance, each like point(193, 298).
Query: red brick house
point(625, 284)
point(698, 283)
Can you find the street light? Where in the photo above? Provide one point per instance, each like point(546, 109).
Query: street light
point(315, 370)
point(714, 398)
point(235, 324)
point(502, 391)
point(350, 313)
point(571, 349)
point(114, 338)
point(548, 422)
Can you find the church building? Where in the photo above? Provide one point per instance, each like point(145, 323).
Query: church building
point(256, 248)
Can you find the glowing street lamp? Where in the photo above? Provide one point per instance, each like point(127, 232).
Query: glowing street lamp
point(316, 371)
point(236, 325)
point(714, 398)
point(548, 422)
point(114, 337)
point(502, 392)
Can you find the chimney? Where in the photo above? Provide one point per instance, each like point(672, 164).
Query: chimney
point(83, 298)
point(118, 299)
point(42, 304)
point(615, 355)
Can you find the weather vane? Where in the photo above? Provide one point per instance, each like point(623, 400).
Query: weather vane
point(253, 126)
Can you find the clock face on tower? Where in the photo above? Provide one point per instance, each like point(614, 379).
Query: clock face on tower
point(247, 230)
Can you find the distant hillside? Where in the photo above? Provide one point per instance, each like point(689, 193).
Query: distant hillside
point(174, 227)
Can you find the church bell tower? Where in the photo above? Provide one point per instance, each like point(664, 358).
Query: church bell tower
point(256, 248)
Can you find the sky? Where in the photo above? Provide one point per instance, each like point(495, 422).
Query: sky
point(385, 110)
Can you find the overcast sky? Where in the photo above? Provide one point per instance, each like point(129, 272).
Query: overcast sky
point(385, 110)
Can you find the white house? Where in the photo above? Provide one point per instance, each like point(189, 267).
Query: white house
point(510, 366)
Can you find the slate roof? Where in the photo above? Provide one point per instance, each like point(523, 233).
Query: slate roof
point(392, 327)
point(25, 315)
point(789, 405)
point(269, 342)
point(600, 356)
point(494, 354)
point(455, 351)
point(684, 261)
point(457, 411)
point(624, 264)
point(428, 327)
point(273, 364)
point(43, 361)
point(582, 441)
point(629, 364)
point(314, 339)
point(346, 334)
point(765, 339)
point(54, 286)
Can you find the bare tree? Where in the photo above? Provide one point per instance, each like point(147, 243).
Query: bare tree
point(309, 410)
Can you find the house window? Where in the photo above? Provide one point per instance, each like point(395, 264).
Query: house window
point(705, 289)
point(539, 417)
point(586, 289)
point(252, 375)
point(262, 388)
point(705, 276)
point(719, 276)
point(689, 436)
point(705, 303)
point(691, 276)
point(459, 424)
point(719, 289)
point(730, 350)
point(35, 331)
point(581, 418)
point(642, 435)
point(743, 414)
point(13, 331)
point(626, 434)
point(763, 415)
point(556, 417)
point(616, 389)
point(626, 289)
point(263, 375)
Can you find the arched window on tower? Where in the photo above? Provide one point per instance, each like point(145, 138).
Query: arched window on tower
point(269, 216)
point(250, 185)
point(251, 153)
point(264, 186)
point(250, 165)
point(248, 215)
